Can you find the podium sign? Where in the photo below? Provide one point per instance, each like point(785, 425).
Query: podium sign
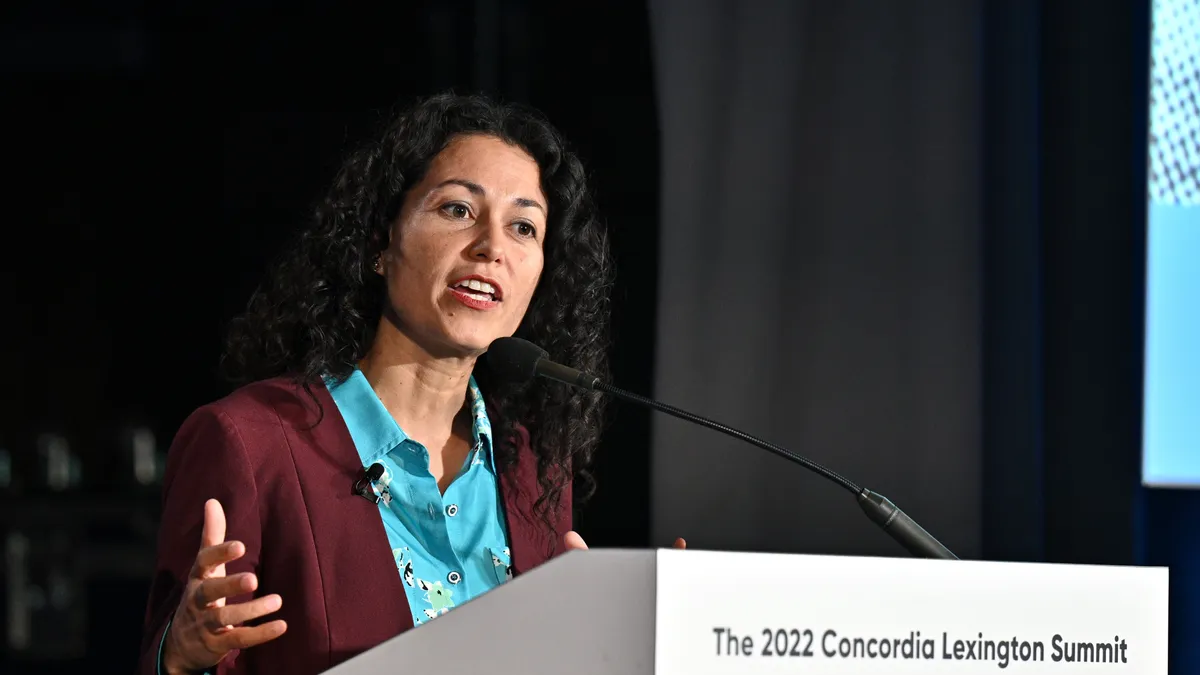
point(610, 612)
point(736, 613)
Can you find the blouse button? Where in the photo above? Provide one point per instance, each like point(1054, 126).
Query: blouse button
point(452, 510)
point(454, 577)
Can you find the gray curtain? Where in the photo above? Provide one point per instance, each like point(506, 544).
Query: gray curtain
point(820, 280)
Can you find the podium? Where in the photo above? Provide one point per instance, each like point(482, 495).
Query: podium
point(618, 612)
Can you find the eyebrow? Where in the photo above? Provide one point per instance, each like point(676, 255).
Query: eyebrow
point(477, 190)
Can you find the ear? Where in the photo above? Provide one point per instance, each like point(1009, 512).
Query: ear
point(381, 259)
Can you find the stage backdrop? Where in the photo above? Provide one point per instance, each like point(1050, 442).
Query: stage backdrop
point(819, 282)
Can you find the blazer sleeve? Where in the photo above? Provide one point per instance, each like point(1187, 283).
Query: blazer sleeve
point(207, 460)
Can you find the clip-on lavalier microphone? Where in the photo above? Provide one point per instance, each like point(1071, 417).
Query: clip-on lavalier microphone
point(362, 487)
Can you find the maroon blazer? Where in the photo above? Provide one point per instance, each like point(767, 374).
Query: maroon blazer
point(284, 480)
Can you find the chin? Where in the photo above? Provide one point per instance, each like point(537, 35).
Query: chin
point(471, 343)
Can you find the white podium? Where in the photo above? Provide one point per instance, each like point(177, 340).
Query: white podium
point(615, 612)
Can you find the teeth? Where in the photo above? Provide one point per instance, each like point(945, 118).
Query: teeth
point(481, 286)
point(478, 290)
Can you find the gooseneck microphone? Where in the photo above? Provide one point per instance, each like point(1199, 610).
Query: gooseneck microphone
point(517, 360)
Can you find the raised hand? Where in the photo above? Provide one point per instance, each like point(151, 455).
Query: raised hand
point(205, 628)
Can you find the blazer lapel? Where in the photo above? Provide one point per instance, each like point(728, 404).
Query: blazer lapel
point(364, 596)
point(525, 544)
point(531, 540)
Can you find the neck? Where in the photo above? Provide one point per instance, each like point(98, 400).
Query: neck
point(424, 393)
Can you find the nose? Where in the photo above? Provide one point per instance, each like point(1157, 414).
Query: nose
point(489, 243)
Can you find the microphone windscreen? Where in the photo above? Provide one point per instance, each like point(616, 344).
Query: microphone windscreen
point(513, 359)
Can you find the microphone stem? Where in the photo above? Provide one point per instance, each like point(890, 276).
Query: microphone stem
point(730, 431)
point(895, 522)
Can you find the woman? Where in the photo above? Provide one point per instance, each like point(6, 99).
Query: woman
point(465, 221)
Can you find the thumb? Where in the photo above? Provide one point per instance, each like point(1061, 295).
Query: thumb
point(574, 542)
point(213, 532)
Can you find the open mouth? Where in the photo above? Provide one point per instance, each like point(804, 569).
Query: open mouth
point(477, 290)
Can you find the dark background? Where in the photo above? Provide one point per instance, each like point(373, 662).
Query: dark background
point(159, 153)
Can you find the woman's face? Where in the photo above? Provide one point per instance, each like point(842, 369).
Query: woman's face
point(465, 254)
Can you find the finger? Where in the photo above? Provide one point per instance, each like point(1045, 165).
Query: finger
point(574, 542)
point(250, 636)
point(680, 543)
point(236, 615)
point(213, 591)
point(210, 561)
point(214, 524)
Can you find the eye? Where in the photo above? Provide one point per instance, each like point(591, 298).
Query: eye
point(457, 210)
point(525, 229)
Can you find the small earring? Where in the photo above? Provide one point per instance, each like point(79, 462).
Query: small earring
point(379, 264)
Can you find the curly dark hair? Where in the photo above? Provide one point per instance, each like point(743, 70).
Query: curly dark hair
point(317, 311)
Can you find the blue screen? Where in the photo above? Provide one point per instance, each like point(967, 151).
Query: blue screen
point(1171, 398)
